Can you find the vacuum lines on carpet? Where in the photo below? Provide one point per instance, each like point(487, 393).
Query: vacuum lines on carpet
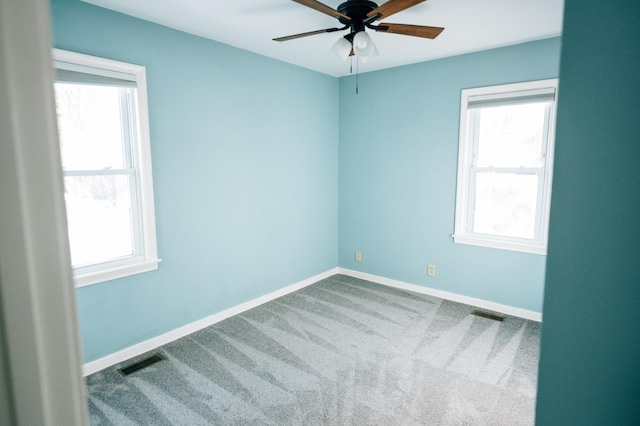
point(342, 351)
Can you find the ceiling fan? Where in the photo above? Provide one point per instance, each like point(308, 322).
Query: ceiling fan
point(356, 15)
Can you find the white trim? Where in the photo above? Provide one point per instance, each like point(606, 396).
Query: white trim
point(480, 303)
point(39, 322)
point(163, 339)
point(75, 58)
point(103, 275)
point(474, 240)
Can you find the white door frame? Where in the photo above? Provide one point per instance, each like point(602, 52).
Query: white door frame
point(40, 369)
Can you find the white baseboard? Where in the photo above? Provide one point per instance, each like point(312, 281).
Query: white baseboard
point(480, 303)
point(163, 339)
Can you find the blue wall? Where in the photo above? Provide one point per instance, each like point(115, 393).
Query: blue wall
point(245, 166)
point(590, 349)
point(398, 168)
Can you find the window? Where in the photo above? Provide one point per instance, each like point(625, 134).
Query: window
point(106, 159)
point(505, 162)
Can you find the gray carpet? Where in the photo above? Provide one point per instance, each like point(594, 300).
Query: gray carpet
point(342, 351)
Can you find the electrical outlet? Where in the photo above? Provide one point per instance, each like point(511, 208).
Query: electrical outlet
point(358, 256)
point(431, 270)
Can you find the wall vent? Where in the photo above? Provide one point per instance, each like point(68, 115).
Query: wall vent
point(488, 315)
point(139, 365)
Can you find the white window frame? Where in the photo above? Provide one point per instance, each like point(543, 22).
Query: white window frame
point(506, 93)
point(138, 151)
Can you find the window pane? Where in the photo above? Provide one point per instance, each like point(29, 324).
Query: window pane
point(99, 218)
point(505, 204)
point(511, 135)
point(90, 126)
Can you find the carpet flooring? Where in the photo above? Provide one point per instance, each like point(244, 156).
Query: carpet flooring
point(342, 351)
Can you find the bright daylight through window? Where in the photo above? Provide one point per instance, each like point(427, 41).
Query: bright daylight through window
point(505, 166)
point(104, 143)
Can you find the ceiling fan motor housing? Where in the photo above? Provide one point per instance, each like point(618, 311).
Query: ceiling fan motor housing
point(357, 10)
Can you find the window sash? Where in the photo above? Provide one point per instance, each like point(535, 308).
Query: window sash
point(135, 215)
point(489, 101)
point(470, 212)
point(474, 118)
point(129, 141)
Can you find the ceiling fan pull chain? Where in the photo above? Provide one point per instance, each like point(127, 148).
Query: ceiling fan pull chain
point(357, 73)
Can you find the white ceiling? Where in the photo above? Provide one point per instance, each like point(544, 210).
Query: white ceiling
point(470, 25)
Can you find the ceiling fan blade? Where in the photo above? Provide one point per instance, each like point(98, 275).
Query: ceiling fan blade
point(313, 4)
point(411, 30)
point(391, 7)
point(310, 33)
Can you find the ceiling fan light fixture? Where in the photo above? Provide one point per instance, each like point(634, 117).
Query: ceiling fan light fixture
point(371, 56)
point(363, 45)
point(356, 16)
point(342, 48)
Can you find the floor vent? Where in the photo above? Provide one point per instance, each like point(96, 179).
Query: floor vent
point(139, 365)
point(488, 315)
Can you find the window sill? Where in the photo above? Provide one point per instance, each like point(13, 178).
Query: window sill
point(113, 273)
point(502, 245)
